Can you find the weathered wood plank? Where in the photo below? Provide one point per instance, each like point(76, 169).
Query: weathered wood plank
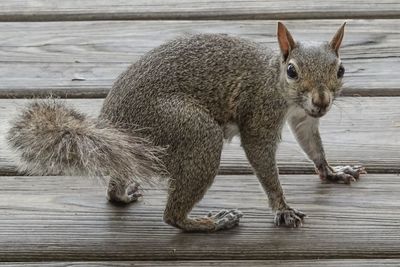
point(53, 218)
point(356, 130)
point(225, 263)
point(82, 59)
point(44, 10)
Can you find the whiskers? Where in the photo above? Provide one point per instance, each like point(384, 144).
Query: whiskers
point(340, 104)
point(296, 98)
point(351, 99)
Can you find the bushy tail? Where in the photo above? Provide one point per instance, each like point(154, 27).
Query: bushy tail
point(53, 139)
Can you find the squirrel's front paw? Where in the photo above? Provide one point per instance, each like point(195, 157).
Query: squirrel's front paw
point(289, 218)
point(345, 174)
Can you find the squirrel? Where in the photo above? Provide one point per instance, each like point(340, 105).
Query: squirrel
point(169, 113)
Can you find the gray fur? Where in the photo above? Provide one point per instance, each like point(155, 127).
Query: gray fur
point(187, 95)
point(52, 138)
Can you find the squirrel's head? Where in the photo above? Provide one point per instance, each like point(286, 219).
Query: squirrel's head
point(312, 74)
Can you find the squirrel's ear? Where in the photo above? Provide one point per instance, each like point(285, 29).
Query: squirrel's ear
point(285, 40)
point(337, 39)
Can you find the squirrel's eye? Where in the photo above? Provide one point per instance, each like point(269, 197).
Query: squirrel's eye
point(291, 71)
point(340, 72)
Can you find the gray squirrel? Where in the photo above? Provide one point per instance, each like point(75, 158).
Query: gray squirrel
point(169, 113)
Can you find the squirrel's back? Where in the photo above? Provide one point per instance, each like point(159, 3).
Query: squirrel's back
point(211, 69)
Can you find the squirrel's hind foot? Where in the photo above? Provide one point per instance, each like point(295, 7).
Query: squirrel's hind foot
point(289, 218)
point(129, 194)
point(223, 220)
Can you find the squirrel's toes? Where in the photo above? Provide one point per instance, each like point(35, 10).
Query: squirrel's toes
point(345, 174)
point(129, 194)
point(289, 218)
point(223, 220)
point(226, 219)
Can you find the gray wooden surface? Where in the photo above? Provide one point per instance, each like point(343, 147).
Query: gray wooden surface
point(28, 10)
point(68, 218)
point(76, 48)
point(223, 263)
point(82, 59)
point(358, 130)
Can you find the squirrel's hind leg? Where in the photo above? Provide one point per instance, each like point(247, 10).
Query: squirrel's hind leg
point(194, 152)
point(118, 192)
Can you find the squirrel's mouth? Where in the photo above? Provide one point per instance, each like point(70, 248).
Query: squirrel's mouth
point(316, 114)
point(315, 110)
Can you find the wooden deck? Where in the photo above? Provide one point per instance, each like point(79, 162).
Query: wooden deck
point(75, 49)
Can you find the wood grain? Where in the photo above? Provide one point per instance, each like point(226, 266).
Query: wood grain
point(76, 49)
point(225, 263)
point(45, 10)
point(82, 59)
point(357, 130)
point(68, 218)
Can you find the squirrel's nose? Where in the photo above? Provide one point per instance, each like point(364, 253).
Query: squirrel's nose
point(320, 102)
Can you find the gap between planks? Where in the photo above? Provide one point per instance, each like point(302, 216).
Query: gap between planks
point(226, 263)
point(75, 10)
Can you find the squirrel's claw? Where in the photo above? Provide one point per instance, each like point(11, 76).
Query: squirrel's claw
point(289, 218)
point(130, 194)
point(345, 174)
point(354, 171)
point(225, 219)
